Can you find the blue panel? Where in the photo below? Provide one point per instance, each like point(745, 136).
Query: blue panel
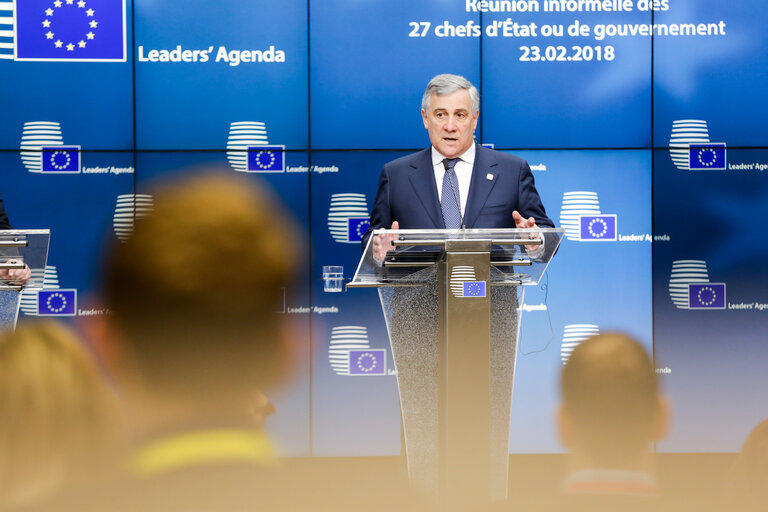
point(714, 359)
point(598, 95)
point(78, 208)
point(233, 78)
point(721, 79)
point(368, 75)
point(605, 284)
point(242, 61)
point(89, 104)
point(351, 414)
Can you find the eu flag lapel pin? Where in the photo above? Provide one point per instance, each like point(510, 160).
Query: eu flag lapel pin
point(489, 177)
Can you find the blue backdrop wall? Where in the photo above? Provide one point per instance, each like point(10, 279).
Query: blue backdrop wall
point(607, 101)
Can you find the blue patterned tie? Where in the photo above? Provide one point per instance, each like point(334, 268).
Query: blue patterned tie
point(451, 210)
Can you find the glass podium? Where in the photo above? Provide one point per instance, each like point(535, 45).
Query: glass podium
point(450, 300)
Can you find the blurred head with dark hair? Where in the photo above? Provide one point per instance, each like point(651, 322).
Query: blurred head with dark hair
point(193, 293)
point(611, 407)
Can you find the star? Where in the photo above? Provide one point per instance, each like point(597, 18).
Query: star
point(70, 47)
point(69, 2)
point(49, 35)
point(46, 23)
point(94, 24)
point(81, 44)
point(57, 3)
point(81, 4)
point(49, 12)
point(90, 35)
point(58, 44)
point(89, 12)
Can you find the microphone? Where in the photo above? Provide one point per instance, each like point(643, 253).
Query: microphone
point(453, 189)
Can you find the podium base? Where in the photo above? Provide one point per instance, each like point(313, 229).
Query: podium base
point(412, 321)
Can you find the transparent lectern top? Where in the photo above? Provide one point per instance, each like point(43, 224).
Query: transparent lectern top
point(29, 246)
point(518, 256)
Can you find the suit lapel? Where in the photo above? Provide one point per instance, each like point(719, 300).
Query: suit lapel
point(480, 186)
point(423, 182)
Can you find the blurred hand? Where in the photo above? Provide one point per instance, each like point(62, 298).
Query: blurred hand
point(261, 407)
point(16, 275)
point(383, 243)
point(522, 223)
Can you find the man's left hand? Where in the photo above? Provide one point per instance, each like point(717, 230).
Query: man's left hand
point(522, 223)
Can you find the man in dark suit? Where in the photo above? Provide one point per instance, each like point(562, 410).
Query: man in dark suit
point(492, 189)
point(453, 183)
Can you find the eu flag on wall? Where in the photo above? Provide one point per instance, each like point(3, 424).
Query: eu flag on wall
point(357, 226)
point(706, 296)
point(56, 159)
point(474, 288)
point(597, 227)
point(74, 30)
point(367, 362)
point(707, 156)
point(57, 302)
point(266, 158)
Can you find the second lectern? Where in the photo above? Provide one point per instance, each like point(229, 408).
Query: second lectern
point(450, 299)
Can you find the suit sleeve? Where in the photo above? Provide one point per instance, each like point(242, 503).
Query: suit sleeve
point(4, 222)
point(529, 200)
point(381, 215)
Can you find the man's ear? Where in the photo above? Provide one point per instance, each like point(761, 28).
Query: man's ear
point(424, 118)
point(564, 429)
point(291, 354)
point(663, 418)
point(105, 342)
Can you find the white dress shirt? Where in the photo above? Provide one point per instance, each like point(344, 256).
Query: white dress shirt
point(463, 170)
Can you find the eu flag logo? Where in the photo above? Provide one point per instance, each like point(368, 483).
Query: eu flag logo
point(368, 362)
point(57, 302)
point(710, 155)
point(474, 288)
point(357, 227)
point(60, 159)
point(266, 159)
point(597, 228)
point(706, 296)
point(70, 30)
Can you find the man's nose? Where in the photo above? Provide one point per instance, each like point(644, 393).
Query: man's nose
point(450, 124)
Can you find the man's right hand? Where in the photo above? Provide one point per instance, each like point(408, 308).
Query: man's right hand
point(17, 275)
point(383, 243)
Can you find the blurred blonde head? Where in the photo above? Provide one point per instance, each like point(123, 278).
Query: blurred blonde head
point(57, 420)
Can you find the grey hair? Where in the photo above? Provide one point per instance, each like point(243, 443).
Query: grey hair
point(447, 84)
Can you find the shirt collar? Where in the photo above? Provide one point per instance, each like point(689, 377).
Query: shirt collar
point(468, 156)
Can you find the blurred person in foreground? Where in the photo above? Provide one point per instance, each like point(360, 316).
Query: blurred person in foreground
point(611, 413)
point(194, 341)
point(58, 423)
point(746, 484)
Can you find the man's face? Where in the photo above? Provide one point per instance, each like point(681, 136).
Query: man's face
point(450, 123)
